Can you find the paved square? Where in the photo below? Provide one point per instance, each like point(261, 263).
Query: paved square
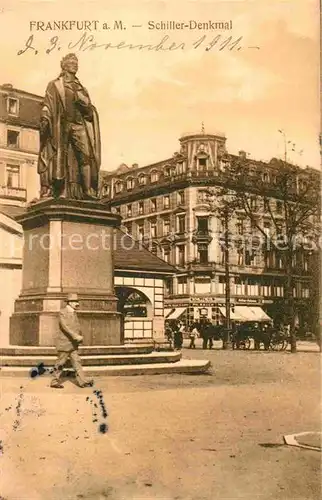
point(176, 437)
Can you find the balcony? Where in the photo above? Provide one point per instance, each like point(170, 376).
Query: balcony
point(16, 193)
point(201, 236)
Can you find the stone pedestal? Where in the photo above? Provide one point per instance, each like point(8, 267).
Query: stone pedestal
point(68, 247)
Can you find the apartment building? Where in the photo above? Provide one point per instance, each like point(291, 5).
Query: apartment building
point(19, 145)
point(165, 205)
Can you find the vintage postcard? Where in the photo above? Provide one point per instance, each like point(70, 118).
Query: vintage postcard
point(160, 250)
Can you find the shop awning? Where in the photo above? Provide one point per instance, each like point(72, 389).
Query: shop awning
point(246, 313)
point(167, 311)
point(177, 313)
point(260, 314)
point(235, 316)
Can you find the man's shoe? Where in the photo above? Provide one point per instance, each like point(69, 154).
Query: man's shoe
point(57, 386)
point(88, 383)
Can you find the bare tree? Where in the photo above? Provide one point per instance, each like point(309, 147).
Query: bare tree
point(289, 198)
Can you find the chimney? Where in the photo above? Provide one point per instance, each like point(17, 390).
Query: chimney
point(135, 165)
point(242, 154)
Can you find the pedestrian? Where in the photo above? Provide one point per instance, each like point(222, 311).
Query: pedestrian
point(68, 339)
point(178, 336)
point(193, 334)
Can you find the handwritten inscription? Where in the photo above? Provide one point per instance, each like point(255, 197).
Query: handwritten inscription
point(88, 42)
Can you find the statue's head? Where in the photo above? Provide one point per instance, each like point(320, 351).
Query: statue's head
point(69, 63)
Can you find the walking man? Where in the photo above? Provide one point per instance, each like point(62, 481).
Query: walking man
point(68, 340)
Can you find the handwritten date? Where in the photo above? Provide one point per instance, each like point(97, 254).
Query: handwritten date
point(88, 42)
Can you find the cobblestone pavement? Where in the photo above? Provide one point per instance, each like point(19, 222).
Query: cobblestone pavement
point(176, 437)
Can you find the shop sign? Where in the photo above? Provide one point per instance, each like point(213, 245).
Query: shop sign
point(249, 301)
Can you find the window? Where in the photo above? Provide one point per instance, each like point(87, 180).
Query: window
point(240, 256)
point(202, 224)
point(181, 255)
point(154, 248)
point(180, 198)
point(130, 183)
point(153, 205)
point(278, 289)
point(117, 210)
point(267, 227)
point(181, 223)
point(202, 196)
point(240, 226)
point(13, 176)
point(166, 202)
point(141, 207)
point(182, 285)
point(128, 228)
point(180, 168)
point(166, 254)
point(203, 253)
point(202, 284)
point(153, 229)
point(239, 286)
point(118, 187)
point(265, 177)
point(12, 138)
point(252, 287)
point(154, 176)
point(253, 204)
point(266, 288)
point(279, 207)
point(249, 258)
point(13, 106)
point(140, 231)
point(129, 211)
point(221, 285)
point(266, 205)
point(166, 227)
point(167, 172)
point(202, 164)
point(142, 180)
point(106, 190)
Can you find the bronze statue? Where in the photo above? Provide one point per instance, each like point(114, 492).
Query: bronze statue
point(70, 149)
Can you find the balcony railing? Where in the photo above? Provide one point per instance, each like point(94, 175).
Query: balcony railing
point(13, 192)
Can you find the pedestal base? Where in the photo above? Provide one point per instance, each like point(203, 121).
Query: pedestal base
point(68, 248)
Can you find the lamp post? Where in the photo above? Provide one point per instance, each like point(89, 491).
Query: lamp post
point(227, 340)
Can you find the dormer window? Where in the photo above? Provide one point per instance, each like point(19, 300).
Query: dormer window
point(13, 106)
point(154, 176)
point(118, 187)
point(106, 190)
point(130, 183)
point(142, 180)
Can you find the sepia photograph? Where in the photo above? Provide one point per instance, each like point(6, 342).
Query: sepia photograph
point(160, 250)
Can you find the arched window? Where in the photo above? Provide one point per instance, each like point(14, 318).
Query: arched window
point(142, 179)
point(154, 176)
point(129, 183)
point(118, 187)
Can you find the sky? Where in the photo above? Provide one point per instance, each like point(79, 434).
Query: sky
point(148, 99)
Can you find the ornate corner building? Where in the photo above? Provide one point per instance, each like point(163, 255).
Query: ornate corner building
point(165, 205)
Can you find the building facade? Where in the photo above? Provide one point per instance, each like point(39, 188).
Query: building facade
point(166, 205)
point(19, 145)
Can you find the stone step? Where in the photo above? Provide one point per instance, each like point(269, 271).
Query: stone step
point(94, 350)
point(97, 360)
point(184, 366)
